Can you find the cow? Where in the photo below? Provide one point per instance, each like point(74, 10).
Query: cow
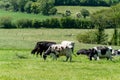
point(59, 50)
point(69, 43)
point(41, 47)
point(116, 52)
point(83, 52)
point(101, 52)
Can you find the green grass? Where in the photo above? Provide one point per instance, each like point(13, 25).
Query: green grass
point(61, 9)
point(76, 9)
point(16, 62)
point(19, 15)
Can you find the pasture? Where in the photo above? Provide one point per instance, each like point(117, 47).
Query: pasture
point(16, 62)
point(76, 9)
point(61, 9)
point(19, 15)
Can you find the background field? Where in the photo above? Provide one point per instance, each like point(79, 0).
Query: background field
point(16, 62)
point(76, 9)
point(61, 9)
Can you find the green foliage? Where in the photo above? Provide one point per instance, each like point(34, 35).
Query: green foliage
point(35, 7)
point(27, 7)
point(24, 23)
point(6, 22)
point(85, 13)
point(87, 37)
point(52, 11)
point(87, 2)
point(36, 23)
point(112, 20)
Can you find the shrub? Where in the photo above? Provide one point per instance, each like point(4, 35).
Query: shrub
point(6, 22)
point(24, 23)
point(52, 11)
point(51, 23)
point(85, 13)
point(67, 22)
point(67, 13)
point(87, 37)
point(36, 23)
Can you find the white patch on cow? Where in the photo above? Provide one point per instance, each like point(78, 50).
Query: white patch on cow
point(109, 47)
point(95, 48)
point(119, 50)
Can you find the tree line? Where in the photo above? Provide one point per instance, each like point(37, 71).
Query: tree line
point(47, 7)
point(86, 2)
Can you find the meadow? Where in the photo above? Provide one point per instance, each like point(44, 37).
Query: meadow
point(60, 9)
point(77, 9)
point(17, 63)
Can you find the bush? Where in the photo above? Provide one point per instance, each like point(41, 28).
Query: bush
point(36, 23)
point(6, 22)
point(51, 23)
point(87, 37)
point(67, 22)
point(52, 11)
point(24, 23)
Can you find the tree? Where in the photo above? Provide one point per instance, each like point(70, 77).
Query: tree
point(100, 23)
point(27, 7)
point(85, 13)
point(35, 7)
point(53, 11)
point(15, 5)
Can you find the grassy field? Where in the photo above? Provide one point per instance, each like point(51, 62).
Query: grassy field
point(19, 15)
point(61, 9)
point(16, 62)
point(76, 9)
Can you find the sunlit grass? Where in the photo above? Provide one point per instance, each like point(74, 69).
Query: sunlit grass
point(17, 62)
point(77, 9)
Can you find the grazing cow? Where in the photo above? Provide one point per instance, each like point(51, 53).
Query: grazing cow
point(41, 47)
point(69, 43)
point(59, 50)
point(83, 52)
point(101, 52)
point(116, 52)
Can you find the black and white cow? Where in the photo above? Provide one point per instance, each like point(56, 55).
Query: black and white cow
point(41, 47)
point(101, 52)
point(69, 43)
point(84, 52)
point(59, 50)
point(116, 52)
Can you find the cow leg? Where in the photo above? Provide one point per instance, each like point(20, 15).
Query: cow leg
point(37, 53)
point(54, 56)
point(107, 58)
point(90, 57)
point(95, 57)
point(67, 57)
point(110, 57)
point(40, 52)
point(70, 58)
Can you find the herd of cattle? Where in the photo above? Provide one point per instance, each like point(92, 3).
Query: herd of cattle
point(66, 48)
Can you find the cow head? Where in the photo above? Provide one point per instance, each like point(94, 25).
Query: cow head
point(47, 52)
